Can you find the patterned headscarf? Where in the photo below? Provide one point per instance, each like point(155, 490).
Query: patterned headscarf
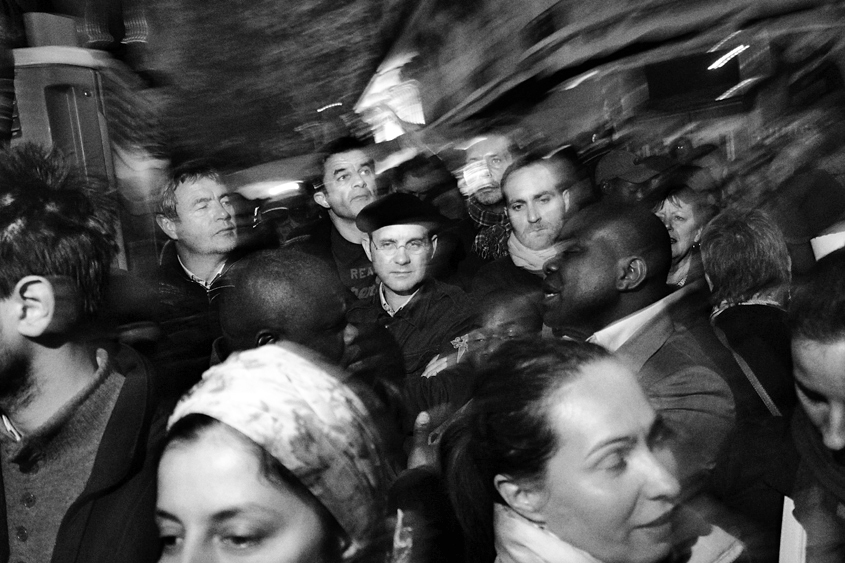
point(305, 417)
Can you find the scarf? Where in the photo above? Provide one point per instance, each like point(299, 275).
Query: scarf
point(528, 259)
point(491, 241)
point(518, 540)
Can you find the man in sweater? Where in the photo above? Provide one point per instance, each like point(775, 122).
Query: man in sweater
point(79, 437)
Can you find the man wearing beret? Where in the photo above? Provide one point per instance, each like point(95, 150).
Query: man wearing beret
point(425, 317)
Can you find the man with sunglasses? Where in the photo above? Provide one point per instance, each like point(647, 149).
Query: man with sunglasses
point(423, 315)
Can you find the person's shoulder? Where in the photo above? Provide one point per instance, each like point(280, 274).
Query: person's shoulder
point(448, 292)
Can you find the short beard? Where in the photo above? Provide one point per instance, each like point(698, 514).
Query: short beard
point(17, 386)
point(489, 196)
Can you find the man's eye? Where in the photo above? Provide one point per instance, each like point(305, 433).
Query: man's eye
point(366, 172)
point(545, 199)
point(387, 246)
point(496, 160)
point(342, 177)
point(516, 207)
point(415, 245)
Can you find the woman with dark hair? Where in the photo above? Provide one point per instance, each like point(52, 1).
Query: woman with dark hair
point(271, 458)
point(560, 458)
point(685, 212)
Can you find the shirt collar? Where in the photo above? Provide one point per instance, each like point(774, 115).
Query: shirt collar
point(386, 306)
point(617, 333)
point(206, 284)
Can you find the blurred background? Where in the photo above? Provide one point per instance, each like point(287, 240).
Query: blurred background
point(751, 90)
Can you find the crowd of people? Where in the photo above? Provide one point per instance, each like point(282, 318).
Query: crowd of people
point(533, 360)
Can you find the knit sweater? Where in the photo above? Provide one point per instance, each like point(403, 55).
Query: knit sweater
point(44, 472)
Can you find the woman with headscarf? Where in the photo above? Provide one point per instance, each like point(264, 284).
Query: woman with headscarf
point(272, 457)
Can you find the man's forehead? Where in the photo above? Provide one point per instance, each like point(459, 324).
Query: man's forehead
point(353, 159)
point(190, 190)
point(536, 177)
point(486, 146)
point(401, 232)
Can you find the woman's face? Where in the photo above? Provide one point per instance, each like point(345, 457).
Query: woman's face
point(684, 230)
point(215, 505)
point(609, 489)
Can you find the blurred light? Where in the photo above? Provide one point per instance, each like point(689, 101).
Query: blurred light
point(284, 188)
point(736, 89)
point(719, 45)
point(269, 189)
point(723, 60)
point(324, 108)
point(577, 81)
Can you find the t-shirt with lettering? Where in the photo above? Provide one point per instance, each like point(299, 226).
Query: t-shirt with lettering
point(353, 267)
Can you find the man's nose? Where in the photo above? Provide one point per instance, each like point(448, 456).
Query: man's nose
point(402, 255)
point(533, 214)
point(834, 431)
point(551, 267)
point(222, 211)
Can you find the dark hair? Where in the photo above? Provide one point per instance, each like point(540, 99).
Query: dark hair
point(744, 253)
point(190, 172)
point(568, 172)
point(194, 426)
point(817, 308)
point(506, 429)
point(338, 146)
point(55, 222)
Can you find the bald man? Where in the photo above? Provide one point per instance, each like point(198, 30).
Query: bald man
point(607, 285)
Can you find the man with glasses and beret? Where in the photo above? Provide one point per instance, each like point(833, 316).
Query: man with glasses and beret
point(425, 317)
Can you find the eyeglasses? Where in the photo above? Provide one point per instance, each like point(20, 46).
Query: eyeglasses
point(389, 248)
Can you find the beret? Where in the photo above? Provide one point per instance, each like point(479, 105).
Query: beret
point(399, 209)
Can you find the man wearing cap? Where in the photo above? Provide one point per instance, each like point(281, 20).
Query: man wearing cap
point(625, 178)
point(422, 314)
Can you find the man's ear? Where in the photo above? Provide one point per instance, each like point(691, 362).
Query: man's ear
point(320, 198)
point(266, 336)
point(632, 272)
point(527, 500)
point(433, 245)
point(567, 200)
point(167, 225)
point(35, 306)
point(365, 242)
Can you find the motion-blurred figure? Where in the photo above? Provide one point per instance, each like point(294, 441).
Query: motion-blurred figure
point(817, 320)
point(747, 265)
point(487, 158)
point(80, 436)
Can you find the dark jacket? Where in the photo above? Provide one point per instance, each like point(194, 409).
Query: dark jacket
point(188, 316)
point(113, 518)
point(502, 273)
point(425, 326)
